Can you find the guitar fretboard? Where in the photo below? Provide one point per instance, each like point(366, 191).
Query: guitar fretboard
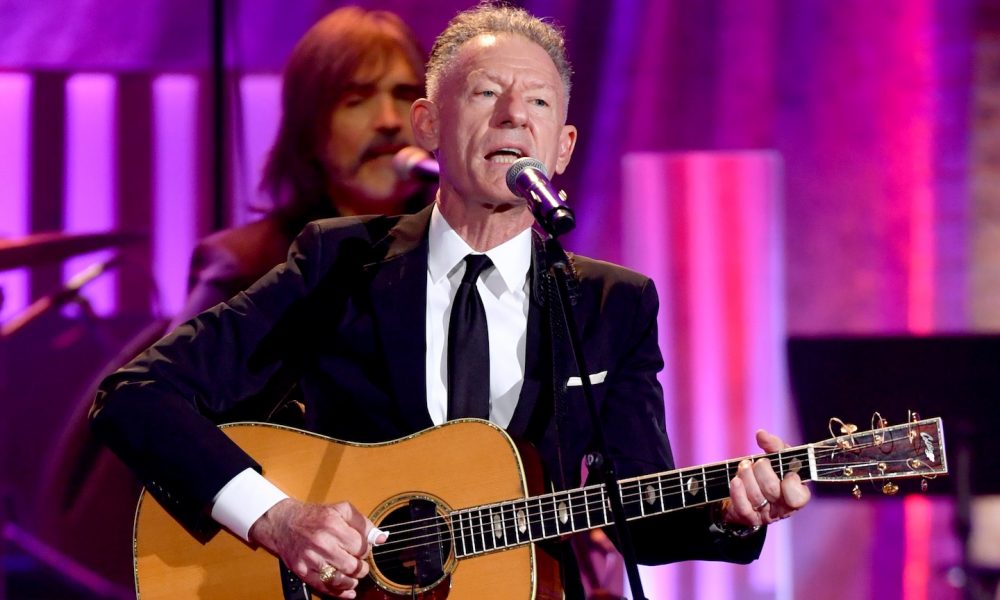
point(493, 527)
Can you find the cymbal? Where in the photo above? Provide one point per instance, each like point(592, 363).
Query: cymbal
point(40, 248)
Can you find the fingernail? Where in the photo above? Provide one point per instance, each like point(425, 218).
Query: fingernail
point(746, 463)
point(373, 536)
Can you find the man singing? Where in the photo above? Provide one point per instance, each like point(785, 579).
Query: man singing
point(388, 322)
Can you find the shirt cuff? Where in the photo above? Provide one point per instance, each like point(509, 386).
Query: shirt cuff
point(243, 500)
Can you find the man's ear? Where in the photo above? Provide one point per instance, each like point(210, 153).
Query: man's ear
point(424, 118)
point(567, 141)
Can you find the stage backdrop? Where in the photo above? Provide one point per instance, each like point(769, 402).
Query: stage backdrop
point(838, 168)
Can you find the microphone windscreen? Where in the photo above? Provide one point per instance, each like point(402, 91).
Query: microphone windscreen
point(520, 165)
point(407, 159)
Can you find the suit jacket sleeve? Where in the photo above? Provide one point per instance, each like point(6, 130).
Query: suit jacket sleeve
point(634, 413)
point(158, 412)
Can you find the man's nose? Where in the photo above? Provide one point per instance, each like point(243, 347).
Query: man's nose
point(511, 111)
point(388, 117)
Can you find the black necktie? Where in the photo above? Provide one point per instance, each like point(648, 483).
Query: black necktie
point(469, 347)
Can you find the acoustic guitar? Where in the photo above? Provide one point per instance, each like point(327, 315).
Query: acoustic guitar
point(462, 523)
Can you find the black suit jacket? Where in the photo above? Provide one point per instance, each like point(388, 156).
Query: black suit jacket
point(344, 317)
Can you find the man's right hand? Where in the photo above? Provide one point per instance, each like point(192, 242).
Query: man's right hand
point(311, 538)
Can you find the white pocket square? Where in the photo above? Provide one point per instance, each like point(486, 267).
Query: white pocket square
point(594, 378)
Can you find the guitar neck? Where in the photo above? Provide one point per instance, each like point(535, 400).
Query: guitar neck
point(493, 527)
point(913, 449)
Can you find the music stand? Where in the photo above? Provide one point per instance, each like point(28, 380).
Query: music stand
point(955, 377)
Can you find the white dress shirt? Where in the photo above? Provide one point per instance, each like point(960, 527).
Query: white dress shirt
point(504, 291)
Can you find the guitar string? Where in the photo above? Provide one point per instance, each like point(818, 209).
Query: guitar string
point(482, 528)
point(789, 457)
point(670, 491)
point(480, 537)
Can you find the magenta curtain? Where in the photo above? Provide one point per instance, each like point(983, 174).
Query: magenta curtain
point(706, 226)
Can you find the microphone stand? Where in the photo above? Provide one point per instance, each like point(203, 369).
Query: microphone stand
point(558, 264)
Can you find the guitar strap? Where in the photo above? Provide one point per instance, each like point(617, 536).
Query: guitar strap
point(557, 343)
point(559, 349)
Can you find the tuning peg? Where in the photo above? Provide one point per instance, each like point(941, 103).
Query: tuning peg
point(923, 485)
point(890, 489)
point(878, 423)
point(856, 492)
point(846, 429)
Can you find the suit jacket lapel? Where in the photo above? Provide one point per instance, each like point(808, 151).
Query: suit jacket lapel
point(399, 299)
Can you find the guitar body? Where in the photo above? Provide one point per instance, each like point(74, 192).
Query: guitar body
point(460, 464)
point(454, 499)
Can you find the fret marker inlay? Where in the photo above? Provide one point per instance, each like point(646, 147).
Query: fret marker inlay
point(522, 521)
point(650, 495)
point(497, 527)
point(693, 487)
point(563, 513)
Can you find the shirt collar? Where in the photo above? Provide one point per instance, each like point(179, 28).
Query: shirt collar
point(512, 258)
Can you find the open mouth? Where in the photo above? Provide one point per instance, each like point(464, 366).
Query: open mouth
point(504, 156)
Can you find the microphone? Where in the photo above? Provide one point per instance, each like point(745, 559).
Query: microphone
point(416, 163)
point(528, 179)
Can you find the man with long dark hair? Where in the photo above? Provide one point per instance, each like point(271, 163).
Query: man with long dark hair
point(346, 96)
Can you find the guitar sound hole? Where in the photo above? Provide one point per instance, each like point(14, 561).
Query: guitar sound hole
point(418, 548)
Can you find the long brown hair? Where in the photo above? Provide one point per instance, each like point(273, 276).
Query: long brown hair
point(318, 74)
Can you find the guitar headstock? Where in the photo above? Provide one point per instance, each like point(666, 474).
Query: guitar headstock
point(913, 449)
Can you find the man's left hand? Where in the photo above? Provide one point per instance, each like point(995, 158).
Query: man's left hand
point(757, 496)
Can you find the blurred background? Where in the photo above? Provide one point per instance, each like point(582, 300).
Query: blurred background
point(814, 185)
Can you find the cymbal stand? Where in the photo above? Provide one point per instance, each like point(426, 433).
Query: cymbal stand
point(10, 533)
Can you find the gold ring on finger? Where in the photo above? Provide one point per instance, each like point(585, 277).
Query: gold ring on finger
point(327, 573)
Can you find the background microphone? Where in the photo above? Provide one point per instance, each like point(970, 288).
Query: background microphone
point(415, 163)
point(528, 179)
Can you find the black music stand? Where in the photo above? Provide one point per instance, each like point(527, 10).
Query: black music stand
point(955, 377)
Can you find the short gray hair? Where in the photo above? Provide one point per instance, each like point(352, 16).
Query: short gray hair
point(491, 18)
